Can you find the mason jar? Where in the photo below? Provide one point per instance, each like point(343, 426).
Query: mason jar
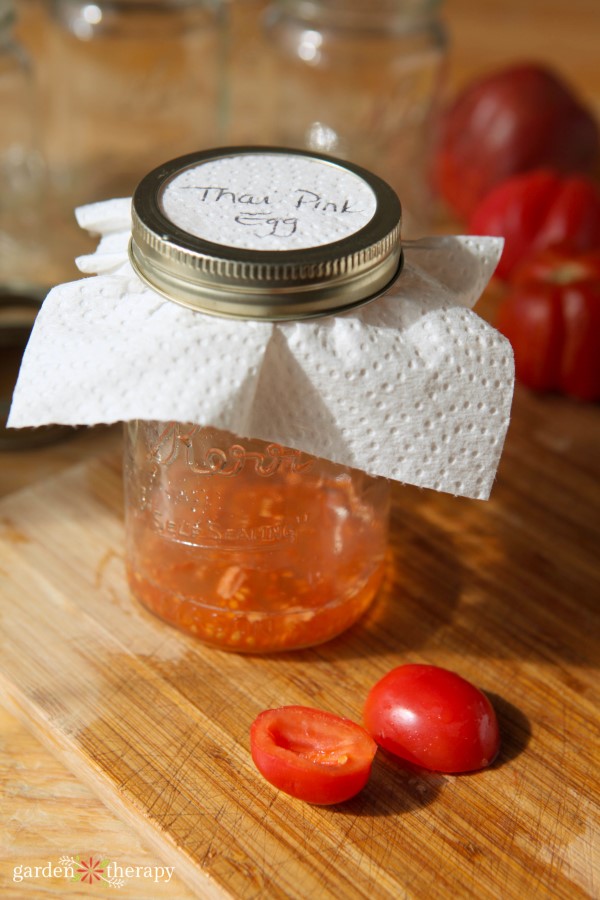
point(248, 545)
point(131, 83)
point(22, 170)
point(362, 80)
point(237, 538)
point(249, 82)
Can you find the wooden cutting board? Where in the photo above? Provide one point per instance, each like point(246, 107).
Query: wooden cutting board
point(506, 593)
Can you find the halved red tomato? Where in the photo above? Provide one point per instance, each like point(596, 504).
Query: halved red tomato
point(312, 754)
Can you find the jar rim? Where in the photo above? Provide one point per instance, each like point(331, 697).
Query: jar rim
point(271, 284)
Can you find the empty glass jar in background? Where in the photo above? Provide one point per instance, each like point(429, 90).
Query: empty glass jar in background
point(360, 79)
point(250, 92)
point(132, 84)
point(22, 174)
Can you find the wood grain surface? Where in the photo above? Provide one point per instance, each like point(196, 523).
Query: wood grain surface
point(504, 592)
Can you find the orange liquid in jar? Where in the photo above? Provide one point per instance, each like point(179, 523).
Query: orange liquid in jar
point(249, 546)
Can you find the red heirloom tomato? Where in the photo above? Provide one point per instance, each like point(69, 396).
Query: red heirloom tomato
point(538, 210)
point(311, 754)
point(520, 118)
point(552, 319)
point(433, 718)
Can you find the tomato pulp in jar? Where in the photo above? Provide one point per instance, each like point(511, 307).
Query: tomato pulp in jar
point(249, 546)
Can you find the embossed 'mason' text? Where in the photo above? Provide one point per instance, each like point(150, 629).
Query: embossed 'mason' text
point(173, 442)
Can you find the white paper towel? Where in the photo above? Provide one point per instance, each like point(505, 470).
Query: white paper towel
point(414, 386)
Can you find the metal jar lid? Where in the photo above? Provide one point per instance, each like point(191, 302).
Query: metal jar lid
point(265, 233)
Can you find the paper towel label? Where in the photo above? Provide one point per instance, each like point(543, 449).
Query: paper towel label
point(269, 201)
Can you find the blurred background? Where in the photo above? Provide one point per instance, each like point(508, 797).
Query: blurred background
point(95, 94)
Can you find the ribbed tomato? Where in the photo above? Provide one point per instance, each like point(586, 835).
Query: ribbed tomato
point(512, 120)
point(538, 210)
point(551, 316)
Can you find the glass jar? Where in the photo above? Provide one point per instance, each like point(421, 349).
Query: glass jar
point(361, 79)
point(22, 172)
point(133, 83)
point(249, 115)
point(248, 544)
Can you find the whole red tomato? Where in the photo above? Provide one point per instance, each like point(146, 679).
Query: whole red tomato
point(433, 718)
point(519, 118)
point(552, 319)
point(538, 210)
point(311, 754)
